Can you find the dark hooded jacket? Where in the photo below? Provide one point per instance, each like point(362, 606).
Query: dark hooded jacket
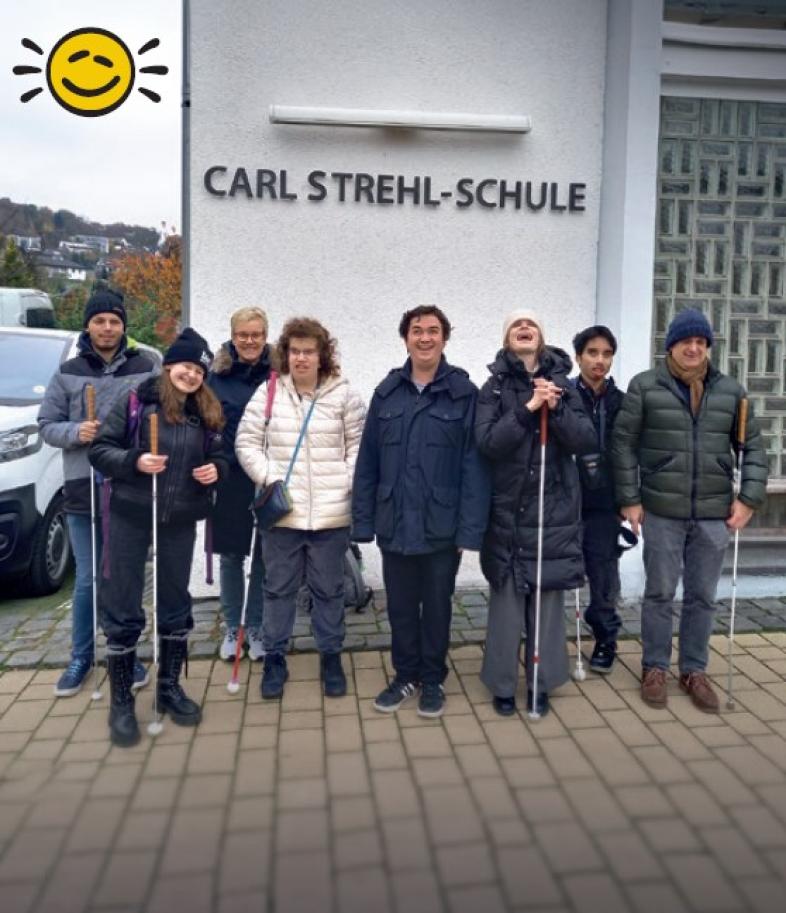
point(508, 435)
point(420, 484)
point(234, 382)
point(118, 446)
point(597, 488)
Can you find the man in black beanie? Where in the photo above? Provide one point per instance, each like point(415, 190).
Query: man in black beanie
point(112, 367)
point(673, 454)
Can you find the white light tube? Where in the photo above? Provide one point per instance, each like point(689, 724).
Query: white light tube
point(413, 120)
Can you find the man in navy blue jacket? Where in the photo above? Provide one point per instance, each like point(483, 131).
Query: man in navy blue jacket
point(423, 490)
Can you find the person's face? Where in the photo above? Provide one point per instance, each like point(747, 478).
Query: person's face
point(186, 376)
point(105, 331)
point(249, 338)
point(595, 361)
point(425, 342)
point(524, 338)
point(690, 353)
point(304, 360)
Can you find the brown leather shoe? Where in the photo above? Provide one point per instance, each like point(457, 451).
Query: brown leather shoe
point(698, 686)
point(653, 687)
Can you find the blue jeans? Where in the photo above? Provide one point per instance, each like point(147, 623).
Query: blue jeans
point(290, 555)
point(670, 547)
point(82, 603)
point(233, 585)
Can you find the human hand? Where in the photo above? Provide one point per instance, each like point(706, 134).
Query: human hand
point(88, 430)
point(152, 464)
point(739, 515)
point(634, 514)
point(544, 392)
point(205, 475)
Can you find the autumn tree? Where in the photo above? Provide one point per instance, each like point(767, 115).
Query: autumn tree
point(16, 270)
point(151, 284)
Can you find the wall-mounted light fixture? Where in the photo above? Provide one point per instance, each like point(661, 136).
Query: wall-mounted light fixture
point(407, 120)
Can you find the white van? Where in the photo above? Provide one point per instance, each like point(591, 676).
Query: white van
point(25, 307)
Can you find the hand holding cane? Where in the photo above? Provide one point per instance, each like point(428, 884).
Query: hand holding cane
point(155, 726)
point(90, 404)
point(544, 417)
point(742, 421)
point(233, 685)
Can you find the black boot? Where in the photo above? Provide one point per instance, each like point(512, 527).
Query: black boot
point(334, 682)
point(123, 727)
point(170, 696)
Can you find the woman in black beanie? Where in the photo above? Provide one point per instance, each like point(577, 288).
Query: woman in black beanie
point(188, 465)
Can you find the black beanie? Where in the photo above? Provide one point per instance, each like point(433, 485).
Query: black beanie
point(189, 346)
point(105, 300)
point(687, 323)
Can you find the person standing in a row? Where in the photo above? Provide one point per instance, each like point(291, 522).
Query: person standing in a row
point(526, 376)
point(241, 365)
point(188, 464)
point(314, 406)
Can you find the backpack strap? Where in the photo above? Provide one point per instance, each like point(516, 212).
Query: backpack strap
point(271, 395)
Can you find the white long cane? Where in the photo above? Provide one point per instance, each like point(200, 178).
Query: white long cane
point(155, 726)
point(544, 415)
point(233, 685)
point(579, 673)
point(742, 421)
point(90, 402)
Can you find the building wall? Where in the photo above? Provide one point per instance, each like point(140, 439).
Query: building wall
point(358, 266)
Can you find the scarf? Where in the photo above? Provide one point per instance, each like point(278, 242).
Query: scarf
point(693, 378)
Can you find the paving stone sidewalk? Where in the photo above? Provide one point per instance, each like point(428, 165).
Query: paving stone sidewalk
point(32, 638)
point(605, 805)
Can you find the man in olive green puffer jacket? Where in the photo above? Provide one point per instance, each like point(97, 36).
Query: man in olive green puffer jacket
point(674, 459)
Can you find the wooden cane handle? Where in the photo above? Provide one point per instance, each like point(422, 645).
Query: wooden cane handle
point(154, 433)
point(544, 424)
point(742, 420)
point(90, 402)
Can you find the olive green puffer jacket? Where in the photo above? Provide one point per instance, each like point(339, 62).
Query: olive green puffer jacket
point(681, 467)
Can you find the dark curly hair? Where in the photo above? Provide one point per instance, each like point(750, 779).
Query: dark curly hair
point(301, 327)
point(424, 310)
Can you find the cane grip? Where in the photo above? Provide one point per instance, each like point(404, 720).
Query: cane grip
point(90, 402)
point(544, 424)
point(154, 433)
point(742, 421)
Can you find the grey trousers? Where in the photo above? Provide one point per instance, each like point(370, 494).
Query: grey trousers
point(693, 550)
point(510, 613)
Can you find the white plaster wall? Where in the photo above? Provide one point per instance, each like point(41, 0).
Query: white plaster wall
point(358, 266)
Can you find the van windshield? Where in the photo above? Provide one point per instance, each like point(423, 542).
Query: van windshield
point(26, 365)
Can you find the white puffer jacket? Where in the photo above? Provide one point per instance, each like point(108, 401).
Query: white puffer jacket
point(321, 480)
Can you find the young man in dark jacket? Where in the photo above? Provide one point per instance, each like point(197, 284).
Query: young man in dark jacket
point(239, 368)
point(112, 367)
point(422, 489)
point(526, 376)
point(595, 348)
point(673, 452)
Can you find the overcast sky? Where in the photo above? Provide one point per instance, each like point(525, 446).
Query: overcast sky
point(121, 167)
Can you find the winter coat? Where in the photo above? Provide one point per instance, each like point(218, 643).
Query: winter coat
point(117, 447)
point(597, 491)
point(234, 382)
point(64, 407)
point(679, 466)
point(321, 480)
point(509, 435)
point(420, 484)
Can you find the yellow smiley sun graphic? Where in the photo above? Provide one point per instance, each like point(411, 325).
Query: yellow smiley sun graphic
point(90, 71)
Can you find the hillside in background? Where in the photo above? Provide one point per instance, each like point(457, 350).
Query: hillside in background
point(55, 226)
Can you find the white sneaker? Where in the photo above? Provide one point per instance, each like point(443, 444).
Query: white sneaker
point(254, 641)
point(229, 645)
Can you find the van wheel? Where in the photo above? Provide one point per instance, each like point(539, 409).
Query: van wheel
point(51, 552)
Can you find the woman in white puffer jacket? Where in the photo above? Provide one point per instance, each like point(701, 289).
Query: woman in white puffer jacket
point(312, 538)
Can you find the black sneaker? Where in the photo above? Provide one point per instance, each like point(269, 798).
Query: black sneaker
point(504, 706)
point(542, 703)
point(396, 693)
point(274, 676)
point(603, 657)
point(432, 700)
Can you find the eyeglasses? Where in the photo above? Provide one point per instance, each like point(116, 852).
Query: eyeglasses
point(249, 337)
point(304, 353)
